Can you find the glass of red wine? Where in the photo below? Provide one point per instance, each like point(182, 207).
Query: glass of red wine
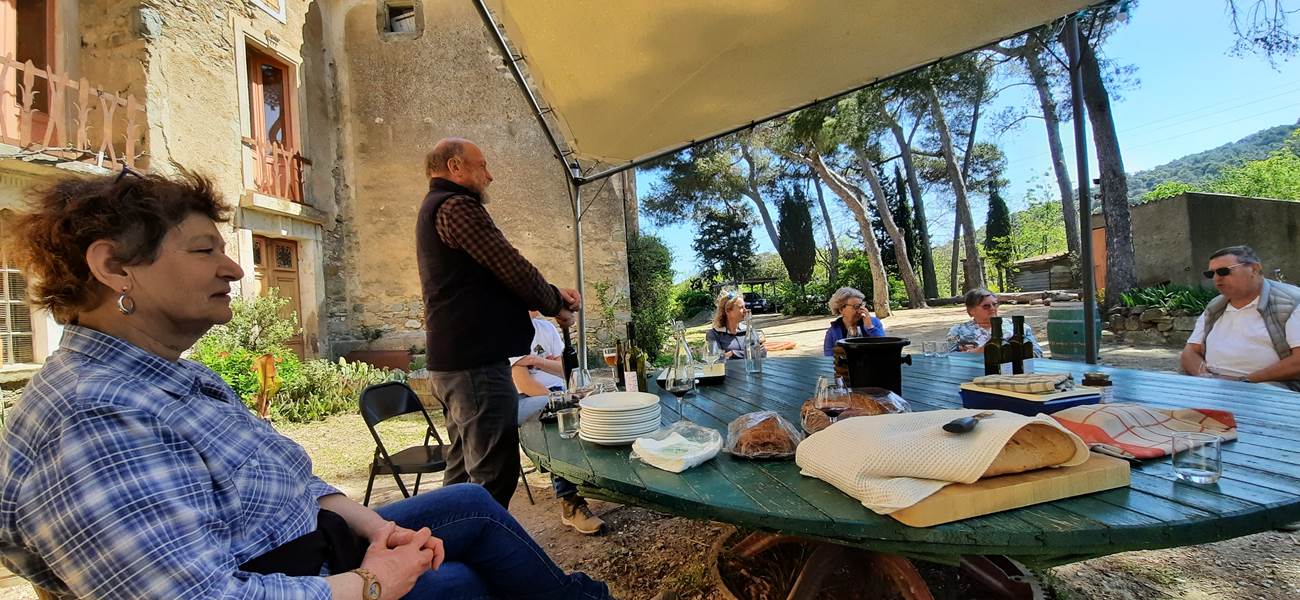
point(829, 397)
point(680, 382)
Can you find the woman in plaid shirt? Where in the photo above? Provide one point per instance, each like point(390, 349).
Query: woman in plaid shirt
point(129, 472)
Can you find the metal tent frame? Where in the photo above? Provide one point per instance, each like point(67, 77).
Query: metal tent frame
point(577, 178)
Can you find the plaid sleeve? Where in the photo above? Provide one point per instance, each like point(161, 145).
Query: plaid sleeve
point(319, 489)
point(463, 223)
point(127, 511)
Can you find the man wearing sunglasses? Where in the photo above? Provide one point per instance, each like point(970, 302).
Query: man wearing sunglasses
point(1251, 331)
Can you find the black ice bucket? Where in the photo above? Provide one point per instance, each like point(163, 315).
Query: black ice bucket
point(872, 362)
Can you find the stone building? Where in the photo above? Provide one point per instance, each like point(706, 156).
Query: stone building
point(313, 118)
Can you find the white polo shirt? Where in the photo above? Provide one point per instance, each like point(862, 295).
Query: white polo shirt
point(546, 342)
point(1239, 342)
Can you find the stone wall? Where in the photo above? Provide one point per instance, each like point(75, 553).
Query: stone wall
point(1145, 325)
point(397, 95)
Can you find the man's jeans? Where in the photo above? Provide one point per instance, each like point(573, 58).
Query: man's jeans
point(488, 553)
point(482, 407)
point(529, 406)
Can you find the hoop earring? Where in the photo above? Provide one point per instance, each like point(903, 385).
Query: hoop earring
point(125, 303)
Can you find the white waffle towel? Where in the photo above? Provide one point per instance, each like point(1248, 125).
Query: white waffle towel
point(890, 462)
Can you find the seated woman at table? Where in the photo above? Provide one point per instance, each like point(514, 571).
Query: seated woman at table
point(971, 336)
point(728, 330)
point(854, 319)
point(127, 471)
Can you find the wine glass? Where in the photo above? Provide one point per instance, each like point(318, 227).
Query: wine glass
point(710, 353)
point(829, 397)
point(580, 384)
point(611, 360)
point(681, 380)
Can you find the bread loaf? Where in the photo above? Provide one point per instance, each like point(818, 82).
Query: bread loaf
point(765, 438)
point(860, 402)
point(1035, 446)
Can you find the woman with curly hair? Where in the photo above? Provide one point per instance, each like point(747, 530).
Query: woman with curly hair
point(127, 471)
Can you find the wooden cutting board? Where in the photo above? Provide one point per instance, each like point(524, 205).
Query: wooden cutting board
point(995, 494)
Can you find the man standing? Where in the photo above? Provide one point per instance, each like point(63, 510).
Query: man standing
point(478, 290)
point(1251, 331)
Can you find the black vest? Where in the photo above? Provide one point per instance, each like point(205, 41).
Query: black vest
point(471, 318)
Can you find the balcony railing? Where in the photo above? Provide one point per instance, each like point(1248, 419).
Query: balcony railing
point(106, 127)
point(277, 169)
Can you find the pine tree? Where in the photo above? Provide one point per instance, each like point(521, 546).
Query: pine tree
point(724, 244)
point(901, 207)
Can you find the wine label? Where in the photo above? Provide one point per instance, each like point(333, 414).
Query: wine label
point(629, 377)
point(1006, 369)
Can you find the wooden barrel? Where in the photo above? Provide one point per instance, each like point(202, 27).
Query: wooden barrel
point(1065, 332)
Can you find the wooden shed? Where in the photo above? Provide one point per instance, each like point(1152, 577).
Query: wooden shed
point(1044, 272)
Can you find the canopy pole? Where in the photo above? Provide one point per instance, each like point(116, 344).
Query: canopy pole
point(577, 252)
point(1085, 182)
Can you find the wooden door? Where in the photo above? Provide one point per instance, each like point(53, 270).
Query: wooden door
point(1099, 258)
point(276, 266)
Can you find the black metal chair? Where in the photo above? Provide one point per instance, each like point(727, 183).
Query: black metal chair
point(384, 401)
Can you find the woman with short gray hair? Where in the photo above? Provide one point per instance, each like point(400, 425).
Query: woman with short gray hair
point(854, 320)
point(982, 306)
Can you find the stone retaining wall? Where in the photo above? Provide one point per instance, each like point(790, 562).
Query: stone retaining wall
point(1145, 325)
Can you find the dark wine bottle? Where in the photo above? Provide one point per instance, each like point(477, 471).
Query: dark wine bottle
point(569, 358)
point(993, 349)
point(619, 367)
point(1014, 348)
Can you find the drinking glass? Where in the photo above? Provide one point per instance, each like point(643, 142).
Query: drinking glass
point(928, 349)
point(556, 400)
point(569, 421)
point(611, 359)
point(1196, 457)
point(710, 353)
point(941, 349)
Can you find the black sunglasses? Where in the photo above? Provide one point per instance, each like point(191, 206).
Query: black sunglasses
point(1221, 271)
point(127, 171)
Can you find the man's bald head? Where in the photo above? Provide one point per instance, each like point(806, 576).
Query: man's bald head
point(460, 161)
point(435, 163)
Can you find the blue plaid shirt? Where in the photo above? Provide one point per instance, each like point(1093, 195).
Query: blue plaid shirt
point(124, 475)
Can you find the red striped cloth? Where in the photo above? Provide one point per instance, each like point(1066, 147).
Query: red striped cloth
point(1141, 431)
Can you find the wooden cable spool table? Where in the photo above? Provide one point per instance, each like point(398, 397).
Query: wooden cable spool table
point(1259, 490)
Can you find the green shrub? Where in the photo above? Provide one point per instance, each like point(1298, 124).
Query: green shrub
point(690, 302)
point(323, 388)
point(1170, 297)
point(650, 277)
point(256, 326)
point(793, 302)
point(308, 391)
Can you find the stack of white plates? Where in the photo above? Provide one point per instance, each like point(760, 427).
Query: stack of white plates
point(615, 418)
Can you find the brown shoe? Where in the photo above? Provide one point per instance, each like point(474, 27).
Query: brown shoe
point(575, 513)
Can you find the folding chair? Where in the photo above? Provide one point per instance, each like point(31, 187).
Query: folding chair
point(384, 401)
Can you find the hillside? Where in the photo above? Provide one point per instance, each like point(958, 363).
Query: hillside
point(1203, 166)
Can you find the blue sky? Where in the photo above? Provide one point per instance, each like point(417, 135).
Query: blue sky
point(1191, 96)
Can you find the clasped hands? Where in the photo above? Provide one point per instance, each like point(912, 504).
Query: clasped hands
point(398, 556)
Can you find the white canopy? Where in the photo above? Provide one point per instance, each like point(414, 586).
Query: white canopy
point(629, 80)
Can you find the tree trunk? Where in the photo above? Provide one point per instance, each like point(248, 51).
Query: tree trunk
point(752, 192)
point(844, 189)
point(929, 280)
point(956, 256)
point(974, 275)
point(832, 270)
point(1121, 264)
point(915, 295)
point(1031, 54)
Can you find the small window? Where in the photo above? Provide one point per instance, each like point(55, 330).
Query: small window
point(15, 314)
point(401, 19)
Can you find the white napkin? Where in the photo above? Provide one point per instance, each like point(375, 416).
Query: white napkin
point(674, 453)
point(890, 462)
